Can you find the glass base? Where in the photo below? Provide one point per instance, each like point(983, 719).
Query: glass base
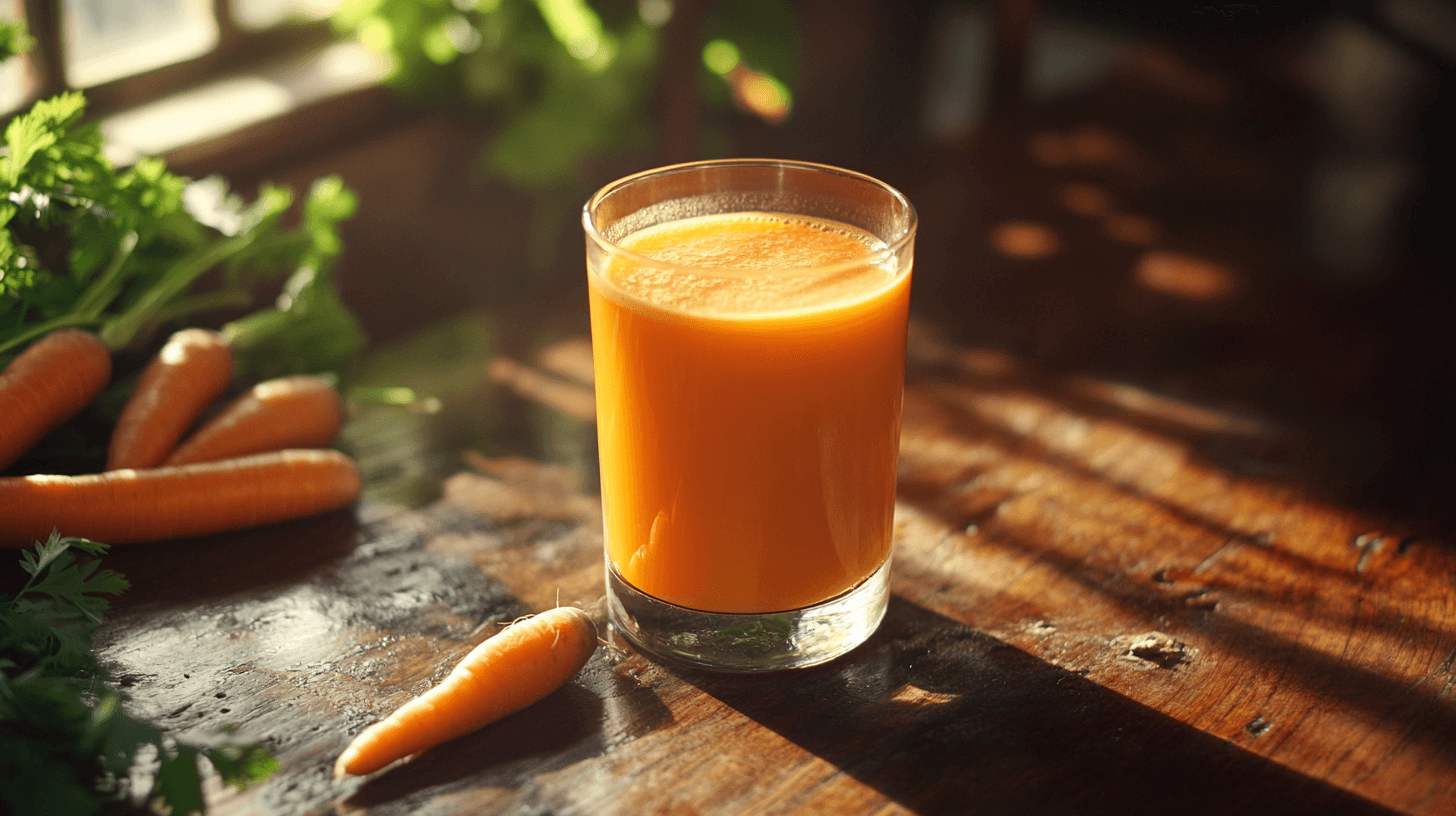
point(747, 642)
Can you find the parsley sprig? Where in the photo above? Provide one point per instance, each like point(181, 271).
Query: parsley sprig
point(66, 744)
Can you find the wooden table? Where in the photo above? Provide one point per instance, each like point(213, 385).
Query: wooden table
point(1105, 599)
point(1087, 617)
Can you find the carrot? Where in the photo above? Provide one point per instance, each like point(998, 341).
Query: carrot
point(289, 412)
point(50, 382)
point(509, 671)
point(121, 506)
point(191, 370)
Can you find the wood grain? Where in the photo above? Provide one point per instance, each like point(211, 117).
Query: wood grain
point(1088, 617)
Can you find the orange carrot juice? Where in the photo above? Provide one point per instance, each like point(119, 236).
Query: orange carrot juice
point(748, 418)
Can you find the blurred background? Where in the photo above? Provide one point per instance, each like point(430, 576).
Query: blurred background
point(1229, 212)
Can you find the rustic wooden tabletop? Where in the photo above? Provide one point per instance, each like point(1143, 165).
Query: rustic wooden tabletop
point(1087, 617)
point(1120, 584)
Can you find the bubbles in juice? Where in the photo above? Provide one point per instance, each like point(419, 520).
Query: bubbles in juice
point(751, 264)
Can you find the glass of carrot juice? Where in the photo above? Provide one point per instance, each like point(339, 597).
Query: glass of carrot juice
point(748, 331)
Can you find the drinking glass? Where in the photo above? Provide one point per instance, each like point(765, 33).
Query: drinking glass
point(748, 332)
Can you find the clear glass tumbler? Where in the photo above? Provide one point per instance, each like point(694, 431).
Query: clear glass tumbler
point(748, 329)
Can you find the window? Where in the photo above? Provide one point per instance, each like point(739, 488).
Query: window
point(168, 74)
point(126, 52)
point(102, 40)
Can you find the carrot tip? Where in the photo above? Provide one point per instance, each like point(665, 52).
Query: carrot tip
point(542, 651)
point(341, 765)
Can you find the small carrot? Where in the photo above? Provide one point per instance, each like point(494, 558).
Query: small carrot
point(509, 671)
point(289, 412)
point(50, 382)
point(191, 370)
point(121, 506)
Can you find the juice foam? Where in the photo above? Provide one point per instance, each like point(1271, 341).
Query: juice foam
point(751, 263)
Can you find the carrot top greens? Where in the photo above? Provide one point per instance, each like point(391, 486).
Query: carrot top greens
point(131, 253)
point(123, 251)
point(66, 745)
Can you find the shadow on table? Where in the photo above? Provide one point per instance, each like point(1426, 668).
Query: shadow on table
point(190, 569)
point(944, 719)
point(1355, 585)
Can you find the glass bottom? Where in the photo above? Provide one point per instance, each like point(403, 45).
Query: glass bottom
point(748, 642)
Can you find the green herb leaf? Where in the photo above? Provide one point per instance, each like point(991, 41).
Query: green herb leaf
point(308, 330)
point(116, 737)
point(55, 631)
point(241, 765)
point(44, 765)
point(178, 784)
point(66, 744)
point(54, 572)
point(47, 123)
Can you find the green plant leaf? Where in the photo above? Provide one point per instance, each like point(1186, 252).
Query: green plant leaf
point(178, 786)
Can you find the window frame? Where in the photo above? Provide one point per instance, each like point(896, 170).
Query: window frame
point(237, 49)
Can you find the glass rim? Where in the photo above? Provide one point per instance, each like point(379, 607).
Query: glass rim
point(891, 249)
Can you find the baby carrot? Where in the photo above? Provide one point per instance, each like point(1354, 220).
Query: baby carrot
point(47, 384)
point(121, 506)
point(509, 671)
point(289, 412)
point(190, 371)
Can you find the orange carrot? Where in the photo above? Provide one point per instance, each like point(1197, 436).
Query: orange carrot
point(289, 412)
point(509, 671)
point(121, 506)
point(49, 383)
point(190, 371)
